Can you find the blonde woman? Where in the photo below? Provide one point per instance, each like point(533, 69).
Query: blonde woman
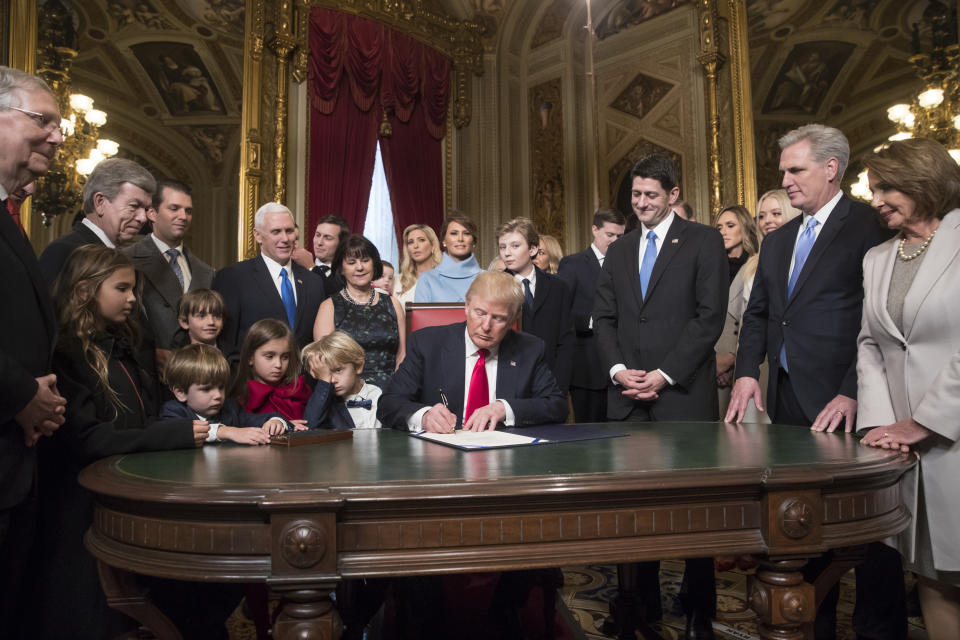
point(549, 254)
point(421, 252)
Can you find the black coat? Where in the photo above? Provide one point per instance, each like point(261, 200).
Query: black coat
point(675, 328)
point(94, 429)
point(581, 271)
point(26, 349)
point(251, 295)
point(821, 320)
point(56, 253)
point(550, 321)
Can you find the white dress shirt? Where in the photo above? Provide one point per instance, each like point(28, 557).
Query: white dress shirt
point(821, 215)
point(163, 247)
point(100, 233)
point(365, 418)
point(274, 268)
point(661, 230)
point(414, 423)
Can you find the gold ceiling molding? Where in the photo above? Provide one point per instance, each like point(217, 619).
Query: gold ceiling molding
point(283, 53)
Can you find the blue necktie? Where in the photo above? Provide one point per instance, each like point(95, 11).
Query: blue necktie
point(361, 404)
point(175, 264)
point(527, 294)
point(804, 245)
point(649, 259)
point(286, 294)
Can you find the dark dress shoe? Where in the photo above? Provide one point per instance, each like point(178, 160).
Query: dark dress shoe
point(699, 627)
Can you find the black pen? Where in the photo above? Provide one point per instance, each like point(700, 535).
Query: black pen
point(443, 399)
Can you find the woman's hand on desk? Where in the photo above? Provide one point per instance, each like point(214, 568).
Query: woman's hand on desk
point(899, 435)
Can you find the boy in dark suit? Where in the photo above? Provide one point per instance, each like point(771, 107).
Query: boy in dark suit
point(547, 301)
point(342, 399)
point(198, 376)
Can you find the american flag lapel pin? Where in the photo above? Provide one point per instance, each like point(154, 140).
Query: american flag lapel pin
point(675, 241)
point(513, 363)
point(299, 281)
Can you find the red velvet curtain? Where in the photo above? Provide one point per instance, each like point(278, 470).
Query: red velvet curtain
point(359, 71)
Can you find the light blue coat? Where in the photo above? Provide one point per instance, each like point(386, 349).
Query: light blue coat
point(448, 281)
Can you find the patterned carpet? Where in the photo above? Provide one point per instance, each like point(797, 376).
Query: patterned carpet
point(587, 590)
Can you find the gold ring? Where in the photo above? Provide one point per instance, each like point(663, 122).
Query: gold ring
point(886, 435)
point(839, 413)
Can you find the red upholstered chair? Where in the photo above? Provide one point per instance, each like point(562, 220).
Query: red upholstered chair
point(435, 314)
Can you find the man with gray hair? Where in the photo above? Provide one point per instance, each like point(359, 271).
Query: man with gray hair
point(271, 285)
point(30, 404)
point(115, 202)
point(804, 316)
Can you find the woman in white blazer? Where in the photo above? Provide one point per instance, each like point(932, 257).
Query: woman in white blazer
point(908, 360)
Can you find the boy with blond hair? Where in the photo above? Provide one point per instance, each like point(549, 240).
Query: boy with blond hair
point(342, 399)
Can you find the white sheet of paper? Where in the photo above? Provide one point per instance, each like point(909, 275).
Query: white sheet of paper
point(478, 439)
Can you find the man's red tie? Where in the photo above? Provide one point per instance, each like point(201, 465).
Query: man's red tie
point(14, 210)
point(479, 392)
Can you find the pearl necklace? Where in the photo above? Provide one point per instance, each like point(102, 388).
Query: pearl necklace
point(919, 252)
point(349, 298)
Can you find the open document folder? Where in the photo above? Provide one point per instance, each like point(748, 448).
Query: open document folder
point(542, 434)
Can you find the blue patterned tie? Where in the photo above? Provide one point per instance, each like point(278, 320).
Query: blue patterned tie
point(649, 259)
point(286, 294)
point(804, 245)
point(175, 264)
point(361, 404)
point(527, 294)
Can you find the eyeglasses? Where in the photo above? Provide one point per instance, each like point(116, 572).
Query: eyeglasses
point(45, 122)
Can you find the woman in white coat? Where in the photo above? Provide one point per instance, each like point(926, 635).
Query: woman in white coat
point(908, 360)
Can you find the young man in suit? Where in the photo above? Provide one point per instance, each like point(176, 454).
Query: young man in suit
point(660, 307)
point(479, 373)
point(169, 269)
point(331, 232)
point(271, 285)
point(30, 404)
point(804, 315)
point(547, 301)
point(115, 202)
point(589, 381)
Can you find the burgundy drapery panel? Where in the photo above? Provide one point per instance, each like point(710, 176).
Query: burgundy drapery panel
point(359, 70)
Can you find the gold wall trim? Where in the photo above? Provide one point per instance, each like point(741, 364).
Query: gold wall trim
point(23, 55)
point(744, 158)
point(711, 60)
point(251, 173)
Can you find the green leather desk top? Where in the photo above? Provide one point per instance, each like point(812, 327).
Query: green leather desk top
point(727, 453)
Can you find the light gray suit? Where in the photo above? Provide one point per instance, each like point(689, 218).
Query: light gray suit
point(916, 373)
point(161, 289)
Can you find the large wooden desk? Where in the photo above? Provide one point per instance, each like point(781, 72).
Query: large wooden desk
point(385, 504)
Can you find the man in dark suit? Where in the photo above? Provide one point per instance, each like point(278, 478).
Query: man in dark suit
point(479, 373)
point(116, 197)
point(331, 232)
point(660, 307)
point(804, 315)
point(271, 285)
point(589, 380)
point(30, 404)
point(168, 268)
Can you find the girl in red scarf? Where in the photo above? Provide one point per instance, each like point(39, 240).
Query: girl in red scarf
point(268, 378)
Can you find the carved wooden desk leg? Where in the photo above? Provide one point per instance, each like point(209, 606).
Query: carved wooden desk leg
point(307, 614)
point(125, 595)
point(782, 600)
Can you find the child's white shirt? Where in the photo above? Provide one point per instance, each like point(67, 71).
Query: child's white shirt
point(365, 418)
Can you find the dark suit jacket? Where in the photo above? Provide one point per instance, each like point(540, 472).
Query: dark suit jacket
point(57, 252)
point(332, 282)
point(250, 295)
point(675, 328)
point(26, 349)
point(550, 321)
point(581, 271)
point(325, 410)
point(435, 360)
point(821, 321)
point(161, 289)
point(230, 414)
